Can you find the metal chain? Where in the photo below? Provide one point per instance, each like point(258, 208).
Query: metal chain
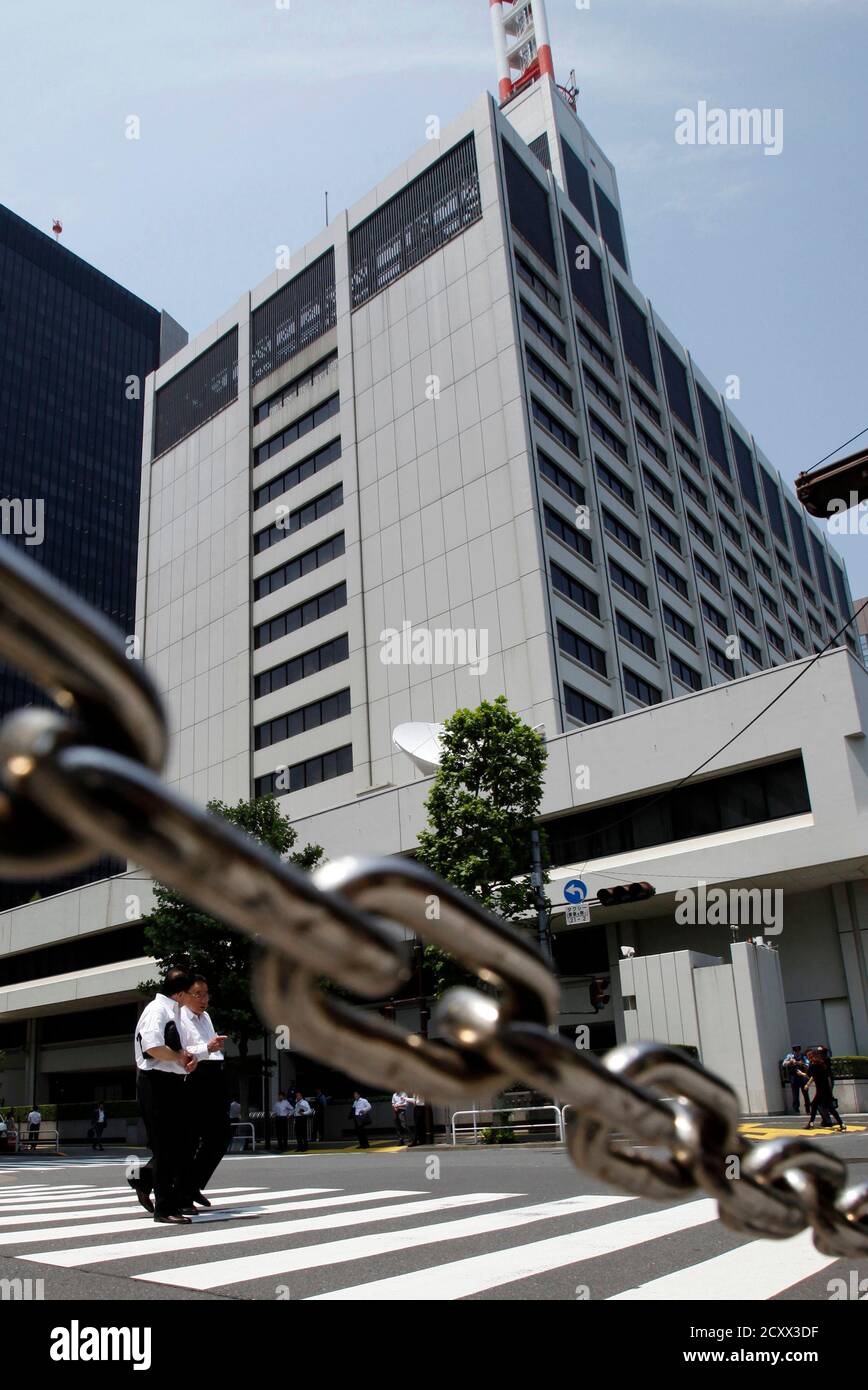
point(82, 779)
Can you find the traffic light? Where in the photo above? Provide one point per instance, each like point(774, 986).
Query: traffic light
point(844, 482)
point(625, 893)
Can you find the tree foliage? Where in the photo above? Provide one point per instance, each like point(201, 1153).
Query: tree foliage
point(482, 809)
point(177, 933)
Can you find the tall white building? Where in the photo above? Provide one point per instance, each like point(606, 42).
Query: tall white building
point(453, 451)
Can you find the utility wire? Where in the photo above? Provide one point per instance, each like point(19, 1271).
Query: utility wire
point(838, 450)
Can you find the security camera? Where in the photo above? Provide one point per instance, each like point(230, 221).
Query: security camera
point(628, 952)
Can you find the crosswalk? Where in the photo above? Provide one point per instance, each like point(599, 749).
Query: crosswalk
point(399, 1244)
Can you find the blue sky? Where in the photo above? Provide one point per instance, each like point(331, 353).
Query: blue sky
point(249, 112)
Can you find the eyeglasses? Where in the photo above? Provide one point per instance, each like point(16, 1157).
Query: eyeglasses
point(198, 993)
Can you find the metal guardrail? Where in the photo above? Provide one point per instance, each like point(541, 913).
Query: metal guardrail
point(238, 1142)
point(45, 1136)
point(557, 1123)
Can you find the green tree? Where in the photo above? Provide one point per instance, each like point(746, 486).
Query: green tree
point(482, 810)
point(177, 933)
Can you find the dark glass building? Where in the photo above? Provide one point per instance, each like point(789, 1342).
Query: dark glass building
point(75, 348)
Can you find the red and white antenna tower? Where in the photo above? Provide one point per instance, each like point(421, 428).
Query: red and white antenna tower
point(521, 42)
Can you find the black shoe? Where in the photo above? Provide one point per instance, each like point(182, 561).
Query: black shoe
point(172, 1218)
point(201, 1200)
point(143, 1195)
point(189, 1210)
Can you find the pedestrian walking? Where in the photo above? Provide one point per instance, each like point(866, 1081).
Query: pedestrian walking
point(400, 1101)
point(207, 1087)
point(821, 1075)
point(282, 1111)
point(34, 1120)
point(420, 1118)
point(97, 1125)
point(163, 1067)
point(302, 1113)
point(795, 1067)
point(361, 1118)
point(320, 1105)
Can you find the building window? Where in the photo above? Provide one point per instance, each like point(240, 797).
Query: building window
point(311, 560)
point(743, 608)
point(758, 535)
point(602, 392)
point(607, 437)
point(300, 427)
point(724, 494)
point(641, 689)
point(291, 477)
point(763, 568)
point(789, 596)
point(701, 532)
point(750, 649)
point(295, 520)
point(769, 603)
point(654, 449)
point(731, 534)
point(776, 640)
point(707, 573)
point(196, 394)
point(329, 601)
point(841, 590)
point(307, 774)
point(537, 284)
point(528, 205)
point(308, 663)
point(645, 405)
point(583, 709)
point(295, 317)
point(430, 211)
point(556, 475)
point(744, 468)
point(713, 615)
point(637, 636)
point(722, 662)
point(671, 577)
point(538, 326)
point(294, 388)
point(614, 484)
point(610, 226)
point(773, 502)
point(659, 489)
point(677, 624)
point(586, 275)
point(677, 388)
point(820, 565)
point(303, 719)
point(565, 437)
point(580, 649)
point(544, 373)
point(686, 674)
point(684, 449)
point(597, 351)
point(736, 570)
point(566, 531)
point(628, 582)
point(621, 533)
point(665, 532)
point(634, 330)
point(797, 632)
point(574, 590)
point(693, 491)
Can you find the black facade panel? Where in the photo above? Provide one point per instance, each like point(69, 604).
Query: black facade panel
point(414, 224)
point(196, 394)
point(773, 503)
point(677, 389)
point(713, 426)
point(800, 545)
point(578, 184)
point(634, 330)
point(745, 470)
point(610, 226)
point(840, 590)
point(295, 317)
point(820, 565)
point(540, 148)
point(528, 206)
point(587, 285)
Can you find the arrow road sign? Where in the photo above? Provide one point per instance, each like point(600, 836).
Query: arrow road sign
point(575, 891)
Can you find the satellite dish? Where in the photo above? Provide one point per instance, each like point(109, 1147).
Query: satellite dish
point(421, 743)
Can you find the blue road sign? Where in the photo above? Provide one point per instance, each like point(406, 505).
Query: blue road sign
point(575, 891)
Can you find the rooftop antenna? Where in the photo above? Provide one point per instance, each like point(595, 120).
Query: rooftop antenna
point(327, 206)
point(521, 43)
point(57, 228)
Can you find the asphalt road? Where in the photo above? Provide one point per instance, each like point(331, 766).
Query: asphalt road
point(397, 1225)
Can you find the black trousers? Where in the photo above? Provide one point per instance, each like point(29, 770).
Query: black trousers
point(209, 1101)
point(301, 1133)
point(164, 1100)
point(281, 1126)
point(319, 1123)
point(97, 1136)
point(420, 1129)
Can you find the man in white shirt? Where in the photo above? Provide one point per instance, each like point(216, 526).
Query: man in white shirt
point(282, 1111)
point(163, 1067)
point(361, 1113)
point(399, 1109)
point(208, 1094)
point(34, 1120)
point(302, 1114)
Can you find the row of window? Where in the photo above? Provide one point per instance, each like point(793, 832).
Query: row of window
point(294, 387)
point(302, 720)
point(300, 427)
point(307, 663)
point(329, 601)
point(298, 473)
point(302, 516)
point(310, 773)
point(294, 569)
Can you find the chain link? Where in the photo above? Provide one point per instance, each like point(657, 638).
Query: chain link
point(83, 779)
